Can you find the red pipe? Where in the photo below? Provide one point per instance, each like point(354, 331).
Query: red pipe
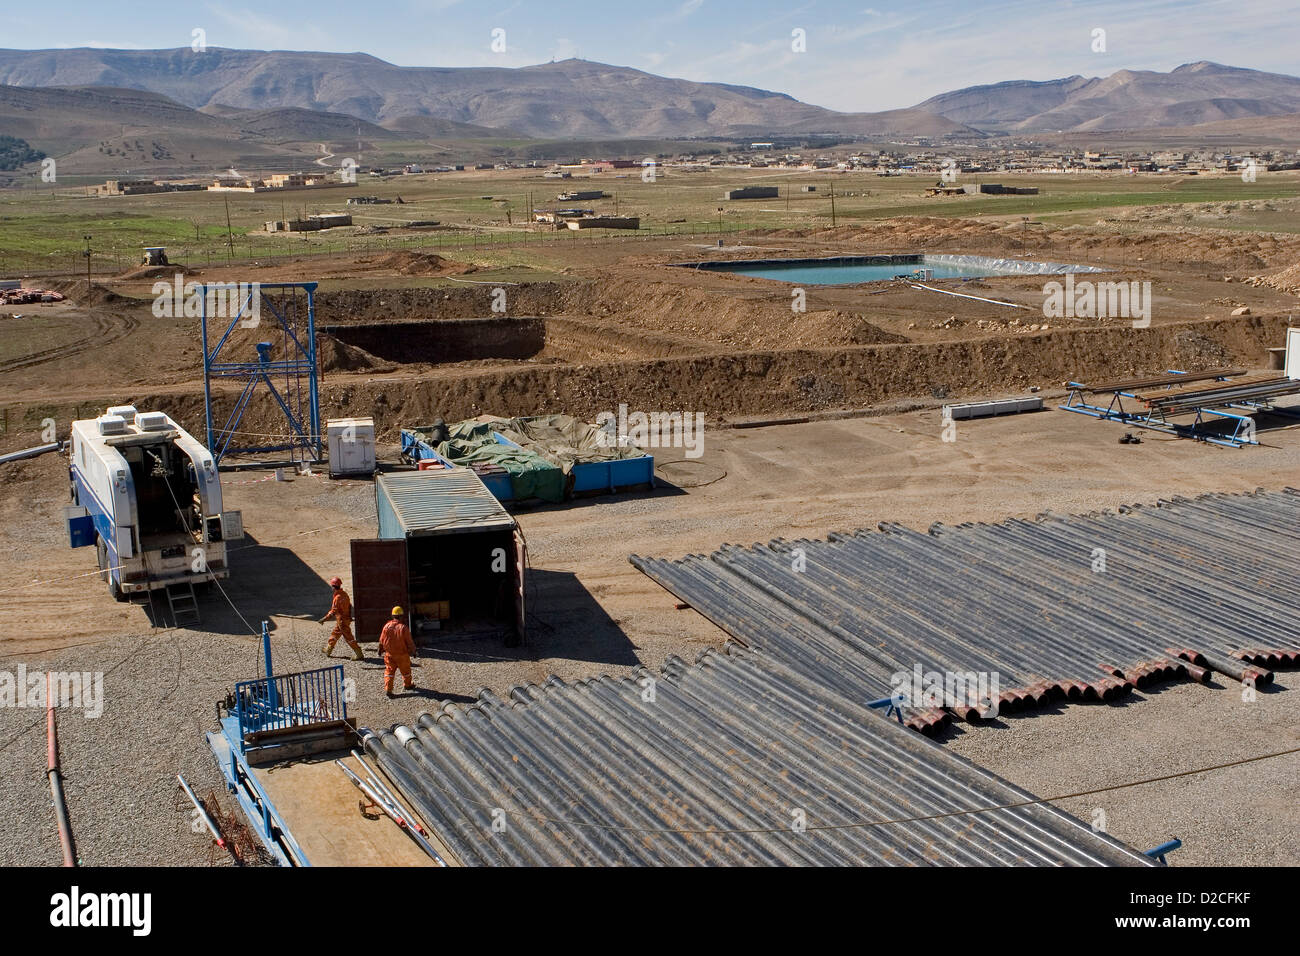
point(1199, 674)
point(56, 780)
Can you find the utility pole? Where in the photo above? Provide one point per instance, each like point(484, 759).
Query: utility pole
point(832, 205)
point(87, 255)
point(230, 236)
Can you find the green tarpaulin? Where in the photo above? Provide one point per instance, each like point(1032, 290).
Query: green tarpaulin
point(565, 440)
point(471, 444)
point(550, 446)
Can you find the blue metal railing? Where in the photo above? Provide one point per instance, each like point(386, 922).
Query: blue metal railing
point(290, 700)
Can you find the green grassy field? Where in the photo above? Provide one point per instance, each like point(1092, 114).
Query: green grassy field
point(481, 212)
point(51, 331)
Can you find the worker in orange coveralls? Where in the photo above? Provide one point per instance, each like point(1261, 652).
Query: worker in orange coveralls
point(395, 641)
point(341, 613)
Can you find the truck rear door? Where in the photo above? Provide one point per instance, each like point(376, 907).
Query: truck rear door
point(378, 584)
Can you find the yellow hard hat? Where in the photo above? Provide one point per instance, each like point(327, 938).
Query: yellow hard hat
point(397, 611)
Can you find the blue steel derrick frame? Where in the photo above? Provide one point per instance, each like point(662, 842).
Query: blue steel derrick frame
point(296, 369)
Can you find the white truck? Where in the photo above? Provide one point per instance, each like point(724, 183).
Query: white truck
point(146, 494)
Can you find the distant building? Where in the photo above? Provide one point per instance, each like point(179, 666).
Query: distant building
point(296, 180)
point(997, 189)
point(560, 215)
point(328, 220)
point(605, 222)
point(137, 187)
point(752, 192)
point(228, 184)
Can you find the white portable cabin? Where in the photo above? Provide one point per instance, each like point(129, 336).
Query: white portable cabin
point(147, 495)
point(351, 446)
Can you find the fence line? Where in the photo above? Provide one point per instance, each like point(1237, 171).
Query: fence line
point(247, 249)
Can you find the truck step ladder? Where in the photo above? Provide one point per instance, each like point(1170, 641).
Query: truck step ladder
point(183, 602)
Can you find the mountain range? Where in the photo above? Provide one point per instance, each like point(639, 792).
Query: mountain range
point(256, 104)
point(569, 99)
point(1126, 100)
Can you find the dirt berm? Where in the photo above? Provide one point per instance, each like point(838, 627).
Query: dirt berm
point(751, 383)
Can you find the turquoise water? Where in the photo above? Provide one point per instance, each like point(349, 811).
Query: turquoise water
point(845, 273)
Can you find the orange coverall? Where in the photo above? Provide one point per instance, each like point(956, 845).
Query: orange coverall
point(395, 641)
point(341, 614)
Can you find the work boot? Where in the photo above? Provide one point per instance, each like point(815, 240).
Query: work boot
point(360, 656)
point(329, 651)
point(389, 694)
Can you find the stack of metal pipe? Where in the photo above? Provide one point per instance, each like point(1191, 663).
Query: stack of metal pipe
point(1083, 607)
point(734, 760)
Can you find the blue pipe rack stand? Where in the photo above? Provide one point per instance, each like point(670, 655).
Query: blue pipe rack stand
point(1158, 853)
point(1242, 433)
point(893, 707)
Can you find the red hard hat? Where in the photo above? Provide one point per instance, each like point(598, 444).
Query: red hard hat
point(336, 583)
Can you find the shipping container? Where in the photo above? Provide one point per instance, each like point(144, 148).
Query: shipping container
point(447, 553)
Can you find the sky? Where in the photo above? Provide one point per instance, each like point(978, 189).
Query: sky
point(852, 56)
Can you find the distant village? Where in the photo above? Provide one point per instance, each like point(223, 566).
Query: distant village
point(921, 157)
point(944, 161)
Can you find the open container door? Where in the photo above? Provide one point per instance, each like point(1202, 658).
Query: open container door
point(521, 562)
point(378, 584)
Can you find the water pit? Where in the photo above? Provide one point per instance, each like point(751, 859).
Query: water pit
point(851, 270)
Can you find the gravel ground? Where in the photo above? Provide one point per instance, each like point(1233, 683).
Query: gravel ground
point(591, 613)
point(1238, 816)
